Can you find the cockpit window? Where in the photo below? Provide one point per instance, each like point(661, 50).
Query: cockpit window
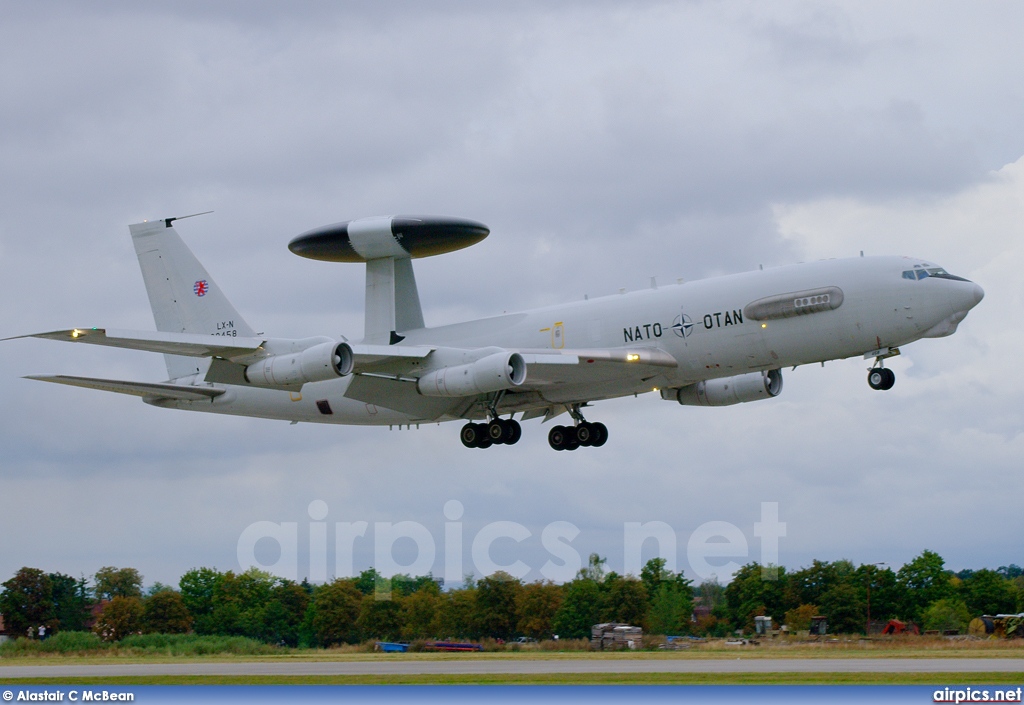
point(919, 272)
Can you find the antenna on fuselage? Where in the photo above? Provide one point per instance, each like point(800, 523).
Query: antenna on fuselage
point(168, 221)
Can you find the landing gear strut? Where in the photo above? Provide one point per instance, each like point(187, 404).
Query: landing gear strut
point(583, 433)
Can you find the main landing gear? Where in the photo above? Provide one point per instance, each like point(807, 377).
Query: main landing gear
point(497, 432)
point(583, 433)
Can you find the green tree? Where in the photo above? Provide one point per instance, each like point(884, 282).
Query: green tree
point(885, 593)
point(988, 592)
point(798, 619)
point(284, 614)
point(750, 595)
point(947, 615)
point(536, 606)
point(807, 585)
point(670, 609)
point(71, 601)
point(197, 589)
point(420, 612)
point(120, 617)
point(380, 619)
point(27, 603)
point(158, 587)
point(580, 609)
point(496, 605)
point(238, 604)
point(843, 607)
point(165, 613)
point(457, 614)
point(652, 575)
point(252, 593)
point(711, 593)
point(370, 581)
point(335, 612)
point(114, 582)
point(624, 600)
point(921, 582)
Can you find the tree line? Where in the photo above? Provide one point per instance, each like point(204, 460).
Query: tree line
point(260, 606)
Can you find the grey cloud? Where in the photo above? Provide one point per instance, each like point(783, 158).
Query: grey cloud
point(602, 144)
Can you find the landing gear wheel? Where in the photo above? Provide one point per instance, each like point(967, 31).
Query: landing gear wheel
point(599, 434)
point(469, 436)
point(497, 431)
point(881, 378)
point(572, 441)
point(557, 437)
point(483, 440)
point(515, 432)
point(585, 434)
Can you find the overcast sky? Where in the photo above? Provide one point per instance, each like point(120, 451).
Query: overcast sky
point(603, 143)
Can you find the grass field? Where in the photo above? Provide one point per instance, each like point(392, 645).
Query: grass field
point(903, 648)
point(899, 647)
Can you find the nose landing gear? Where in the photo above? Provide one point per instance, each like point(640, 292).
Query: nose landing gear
point(881, 378)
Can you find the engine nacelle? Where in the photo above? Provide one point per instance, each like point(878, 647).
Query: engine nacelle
point(493, 373)
point(316, 364)
point(731, 390)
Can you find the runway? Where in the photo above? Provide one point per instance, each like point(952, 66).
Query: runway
point(520, 667)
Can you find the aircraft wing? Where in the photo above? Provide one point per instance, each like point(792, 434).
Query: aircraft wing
point(189, 344)
point(384, 358)
point(385, 376)
point(140, 389)
point(551, 367)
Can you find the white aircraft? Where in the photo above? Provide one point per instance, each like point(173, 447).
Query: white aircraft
point(713, 342)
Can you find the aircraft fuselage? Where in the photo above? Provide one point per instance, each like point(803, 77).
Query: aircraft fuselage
point(854, 306)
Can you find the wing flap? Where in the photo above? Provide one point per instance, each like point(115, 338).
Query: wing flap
point(140, 389)
point(387, 358)
point(399, 395)
point(189, 344)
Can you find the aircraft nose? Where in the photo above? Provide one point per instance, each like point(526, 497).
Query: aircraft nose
point(979, 294)
point(967, 296)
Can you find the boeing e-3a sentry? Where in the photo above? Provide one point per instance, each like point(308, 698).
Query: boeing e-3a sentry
point(713, 342)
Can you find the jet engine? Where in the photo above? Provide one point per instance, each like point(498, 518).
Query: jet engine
point(493, 373)
point(315, 364)
point(729, 390)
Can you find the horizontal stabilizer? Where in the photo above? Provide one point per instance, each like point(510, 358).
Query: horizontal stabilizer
point(190, 344)
point(140, 389)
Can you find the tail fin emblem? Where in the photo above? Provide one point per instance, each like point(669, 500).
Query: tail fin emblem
point(201, 287)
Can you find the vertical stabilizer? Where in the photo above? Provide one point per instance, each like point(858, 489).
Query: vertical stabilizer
point(183, 296)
